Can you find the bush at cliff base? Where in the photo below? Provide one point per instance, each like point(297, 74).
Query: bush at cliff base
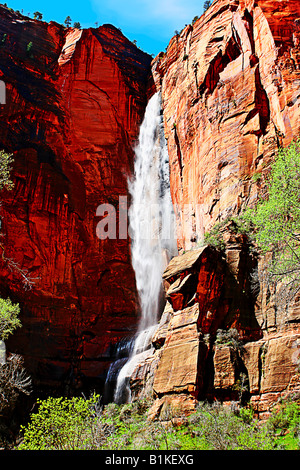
point(61, 423)
point(79, 423)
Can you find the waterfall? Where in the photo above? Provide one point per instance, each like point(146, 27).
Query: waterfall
point(152, 232)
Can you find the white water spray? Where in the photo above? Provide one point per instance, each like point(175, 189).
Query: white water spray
point(152, 230)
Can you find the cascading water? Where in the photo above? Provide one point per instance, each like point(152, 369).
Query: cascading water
point(152, 231)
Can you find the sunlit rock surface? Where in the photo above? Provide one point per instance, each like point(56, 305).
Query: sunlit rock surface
point(230, 91)
point(75, 100)
point(230, 88)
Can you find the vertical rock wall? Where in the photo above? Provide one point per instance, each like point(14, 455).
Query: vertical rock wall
point(230, 85)
point(75, 100)
point(230, 88)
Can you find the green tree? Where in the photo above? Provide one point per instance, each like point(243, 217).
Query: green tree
point(276, 219)
point(206, 5)
point(77, 25)
point(68, 21)
point(62, 424)
point(37, 15)
point(6, 161)
point(29, 49)
point(9, 318)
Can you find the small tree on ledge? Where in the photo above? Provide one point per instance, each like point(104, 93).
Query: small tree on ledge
point(37, 15)
point(68, 21)
point(206, 5)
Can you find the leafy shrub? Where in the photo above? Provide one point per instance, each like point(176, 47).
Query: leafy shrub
point(285, 424)
point(236, 225)
point(214, 427)
point(276, 217)
point(130, 429)
point(214, 237)
point(78, 423)
point(6, 161)
point(9, 320)
point(29, 49)
point(62, 424)
point(256, 177)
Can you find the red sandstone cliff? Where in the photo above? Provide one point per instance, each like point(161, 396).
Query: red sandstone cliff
point(75, 100)
point(230, 88)
point(230, 91)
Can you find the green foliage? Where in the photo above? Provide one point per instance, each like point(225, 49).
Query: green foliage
point(233, 224)
point(78, 423)
point(77, 25)
point(37, 15)
point(206, 5)
point(214, 427)
point(6, 161)
point(214, 237)
point(229, 338)
point(61, 424)
point(68, 21)
point(130, 429)
point(256, 177)
point(285, 424)
point(29, 49)
point(276, 218)
point(247, 415)
point(9, 320)
point(3, 40)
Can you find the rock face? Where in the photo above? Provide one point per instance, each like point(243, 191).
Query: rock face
point(230, 89)
point(214, 341)
point(75, 100)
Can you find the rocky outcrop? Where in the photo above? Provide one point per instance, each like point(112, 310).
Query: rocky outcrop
point(75, 99)
point(215, 343)
point(230, 90)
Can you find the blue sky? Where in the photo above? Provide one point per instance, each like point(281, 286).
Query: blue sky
point(150, 22)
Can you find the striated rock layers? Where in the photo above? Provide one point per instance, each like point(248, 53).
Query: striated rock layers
point(230, 89)
point(230, 85)
point(221, 335)
point(74, 103)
